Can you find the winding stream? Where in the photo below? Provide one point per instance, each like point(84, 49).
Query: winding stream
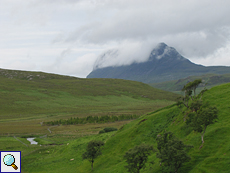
point(32, 141)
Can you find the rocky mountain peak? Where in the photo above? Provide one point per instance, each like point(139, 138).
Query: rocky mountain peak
point(162, 50)
point(164, 64)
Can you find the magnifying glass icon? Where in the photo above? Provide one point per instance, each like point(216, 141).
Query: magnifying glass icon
point(9, 160)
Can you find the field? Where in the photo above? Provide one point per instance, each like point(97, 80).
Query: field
point(27, 99)
point(213, 157)
point(61, 150)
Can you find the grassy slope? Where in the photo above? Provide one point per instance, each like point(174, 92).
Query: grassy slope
point(213, 157)
point(54, 93)
point(28, 98)
point(209, 79)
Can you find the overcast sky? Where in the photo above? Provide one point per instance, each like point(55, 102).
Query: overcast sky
point(67, 36)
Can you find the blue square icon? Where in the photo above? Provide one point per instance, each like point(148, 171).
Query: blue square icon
point(10, 161)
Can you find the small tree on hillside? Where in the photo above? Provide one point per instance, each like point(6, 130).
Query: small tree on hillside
point(187, 95)
point(172, 152)
point(202, 93)
point(194, 85)
point(93, 150)
point(137, 157)
point(191, 86)
point(201, 119)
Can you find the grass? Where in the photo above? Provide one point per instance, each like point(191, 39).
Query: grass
point(29, 98)
point(213, 157)
point(61, 150)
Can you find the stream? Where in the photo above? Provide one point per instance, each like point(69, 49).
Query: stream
point(32, 141)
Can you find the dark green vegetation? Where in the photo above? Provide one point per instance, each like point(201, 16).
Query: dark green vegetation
point(93, 150)
point(208, 81)
point(27, 99)
point(172, 152)
point(92, 119)
point(200, 120)
point(198, 114)
point(164, 64)
point(137, 156)
point(191, 87)
point(108, 129)
point(214, 156)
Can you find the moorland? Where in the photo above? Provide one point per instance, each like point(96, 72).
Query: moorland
point(28, 99)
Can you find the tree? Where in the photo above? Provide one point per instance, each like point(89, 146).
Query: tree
point(202, 93)
point(194, 85)
point(180, 103)
point(93, 150)
point(137, 157)
point(191, 86)
point(187, 95)
point(200, 120)
point(172, 152)
point(196, 105)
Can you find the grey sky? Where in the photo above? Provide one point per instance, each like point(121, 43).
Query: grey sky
point(67, 36)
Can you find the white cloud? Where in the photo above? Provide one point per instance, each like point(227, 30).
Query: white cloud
point(20, 65)
point(126, 53)
point(82, 65)
point(43, 29)
point(220, 57)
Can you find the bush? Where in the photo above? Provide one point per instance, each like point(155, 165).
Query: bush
point(137, 157)
point(108, 129)
point(172, 152)
point(101, 131)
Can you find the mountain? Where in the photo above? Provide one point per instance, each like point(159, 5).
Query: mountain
point(163, 64)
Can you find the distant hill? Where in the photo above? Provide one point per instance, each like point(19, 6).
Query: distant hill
point(164, 64)
point(25, 94)
point(208, 81)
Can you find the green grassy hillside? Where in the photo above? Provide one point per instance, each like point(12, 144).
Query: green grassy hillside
point(30, 98)
point(213, 157)
point(208, 81)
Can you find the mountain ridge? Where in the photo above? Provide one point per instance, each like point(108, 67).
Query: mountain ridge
point(208, 81)
point(164, 64)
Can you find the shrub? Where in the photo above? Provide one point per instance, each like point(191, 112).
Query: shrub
point(110, 129)
point(137, 157)
point(101, 131)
